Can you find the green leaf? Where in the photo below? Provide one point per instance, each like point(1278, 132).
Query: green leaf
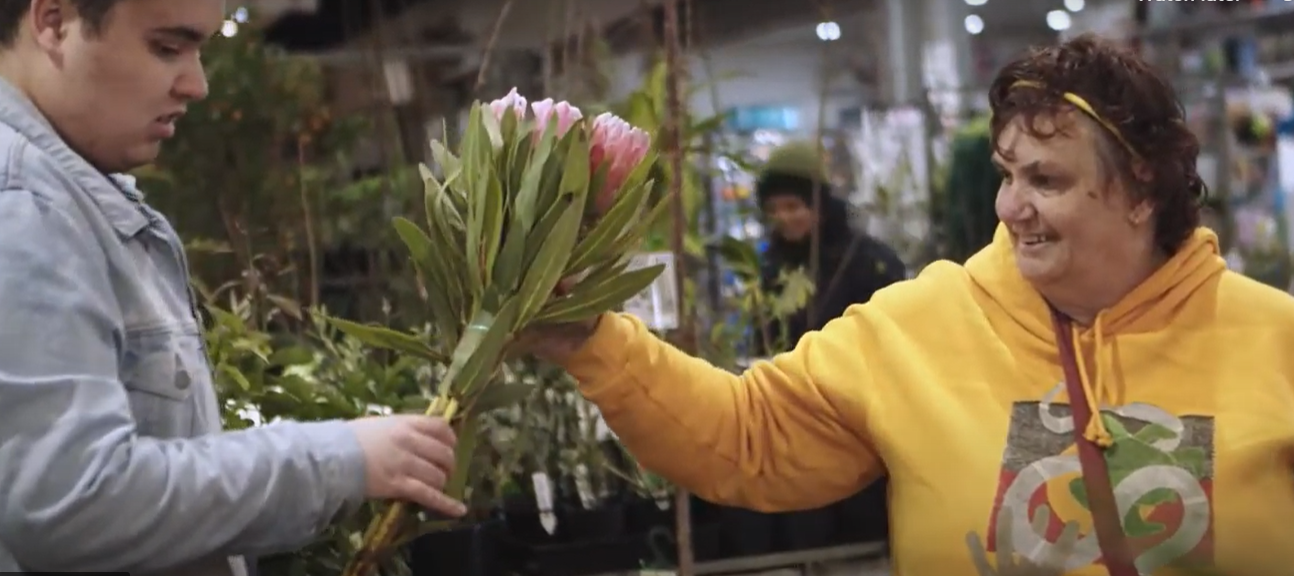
point(417, 241)
point(639, 174)
point(511, 122)
point(740, 257)
point(446, 227)
point(518, 156)
point(527, 203)
point(605, 271)
point(629, 240)
point(424, 172)
point(589, 301)
point(508, 266)
point(550, 262)
point(595, 186)
point(493, 129)
point(292, 356)
point(705, 126)
point(500, 395)
point(642, 112)
point(492, 226)
point(468, 432)
point(237, 376)
point(446, 160)
point(480, 366)
point(541, 231)
point(476, 176)
point(550, 181)
point(575, 168)
point(609, 227)
point(436, 278)
point(508, 159)
point(386, 338)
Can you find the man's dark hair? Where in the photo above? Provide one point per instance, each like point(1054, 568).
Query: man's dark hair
point(13, 11)
point(1134, 98)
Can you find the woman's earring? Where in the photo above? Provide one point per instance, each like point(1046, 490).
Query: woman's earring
point(1138, 215)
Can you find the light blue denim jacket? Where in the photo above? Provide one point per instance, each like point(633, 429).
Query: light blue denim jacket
point(111, 454)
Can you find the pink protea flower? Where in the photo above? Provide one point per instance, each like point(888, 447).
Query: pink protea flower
point(621, 147)
point(545, 109)
point(511, 101)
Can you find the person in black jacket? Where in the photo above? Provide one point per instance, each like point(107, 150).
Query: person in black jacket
point(851, 267)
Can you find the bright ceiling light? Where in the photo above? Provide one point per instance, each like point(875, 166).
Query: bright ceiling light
point(828, 31)
point(1075, 5)
point(1058, 20)
point(976, 2)
point(240, 15)
point(974, 24)
point(229, 29)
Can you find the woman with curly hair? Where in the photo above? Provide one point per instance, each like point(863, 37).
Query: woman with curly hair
point(1092, 393)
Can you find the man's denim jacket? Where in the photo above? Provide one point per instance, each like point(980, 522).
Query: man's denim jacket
point(111, 454)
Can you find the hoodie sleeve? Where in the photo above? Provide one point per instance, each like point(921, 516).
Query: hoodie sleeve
point(82, 490)
point(789, 434)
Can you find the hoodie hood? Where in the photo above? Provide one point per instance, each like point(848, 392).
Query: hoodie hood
point(1151, 306)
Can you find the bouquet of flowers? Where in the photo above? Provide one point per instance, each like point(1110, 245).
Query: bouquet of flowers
point(536, 194)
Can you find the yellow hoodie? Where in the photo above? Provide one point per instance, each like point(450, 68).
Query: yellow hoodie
point(951, 385)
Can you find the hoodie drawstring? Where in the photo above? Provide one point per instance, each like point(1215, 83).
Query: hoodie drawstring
point(1093, 387)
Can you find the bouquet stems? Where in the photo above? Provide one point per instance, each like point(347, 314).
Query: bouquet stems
point(384, 531)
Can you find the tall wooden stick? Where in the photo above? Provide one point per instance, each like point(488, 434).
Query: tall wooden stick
point(488, 51)
point(686, 337)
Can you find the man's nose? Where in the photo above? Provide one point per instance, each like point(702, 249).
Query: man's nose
point(192, 85)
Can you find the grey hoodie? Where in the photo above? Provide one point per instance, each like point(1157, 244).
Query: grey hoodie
point(111, 454)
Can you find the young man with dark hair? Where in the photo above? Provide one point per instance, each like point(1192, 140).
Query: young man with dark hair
point(111, 454)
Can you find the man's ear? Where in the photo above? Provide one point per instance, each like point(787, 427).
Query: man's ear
point(50, 22)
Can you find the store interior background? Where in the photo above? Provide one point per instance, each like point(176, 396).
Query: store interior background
point(888, 83)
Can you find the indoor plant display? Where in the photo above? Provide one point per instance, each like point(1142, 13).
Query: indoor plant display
point(534, 194)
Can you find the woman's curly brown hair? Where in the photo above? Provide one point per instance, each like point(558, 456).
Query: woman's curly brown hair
point(1126, 92)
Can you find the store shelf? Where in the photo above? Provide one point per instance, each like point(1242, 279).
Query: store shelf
point(1211, 25)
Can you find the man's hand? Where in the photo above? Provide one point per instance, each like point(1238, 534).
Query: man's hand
point(410, 458)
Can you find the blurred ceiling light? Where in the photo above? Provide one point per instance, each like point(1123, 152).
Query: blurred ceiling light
point(976, 2)
point(1058, 20)
point(828, 31)
point(240, 15)
point(229, 29)
point(974, 24)
point(1075, 5)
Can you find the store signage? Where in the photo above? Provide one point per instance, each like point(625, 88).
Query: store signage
point(751, 118)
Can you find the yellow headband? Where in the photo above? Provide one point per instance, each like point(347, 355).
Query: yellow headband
point(1082, 104)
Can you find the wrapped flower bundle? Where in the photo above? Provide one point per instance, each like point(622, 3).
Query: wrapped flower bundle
point(536, 194)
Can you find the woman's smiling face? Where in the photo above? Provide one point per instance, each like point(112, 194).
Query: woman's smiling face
point(1071, 219)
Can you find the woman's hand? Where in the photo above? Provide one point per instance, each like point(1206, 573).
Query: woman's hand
point(556, 343)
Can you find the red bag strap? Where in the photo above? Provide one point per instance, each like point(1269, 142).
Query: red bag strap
point(1114, 545)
